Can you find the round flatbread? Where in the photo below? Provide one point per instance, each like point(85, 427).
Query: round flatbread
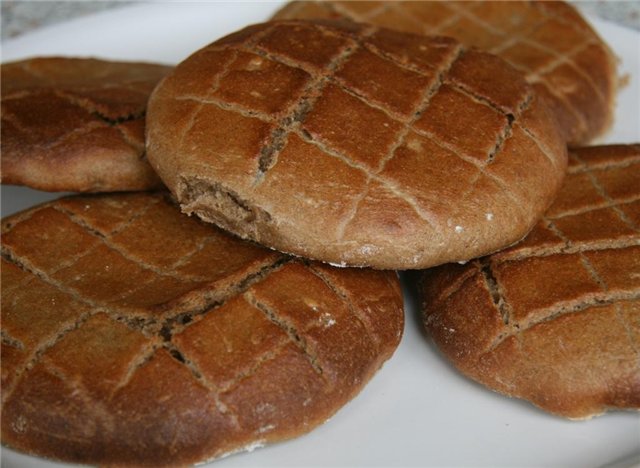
point(71, 124)
point(550, 42)
point(356, 145)
point(133, 335)
point(555, 319)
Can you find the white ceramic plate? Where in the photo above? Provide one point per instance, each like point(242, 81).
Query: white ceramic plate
point(417, 411)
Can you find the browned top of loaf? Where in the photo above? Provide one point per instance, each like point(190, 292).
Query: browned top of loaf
point(556, 318)
point(550, 42)
point(71, 124)
point(356, 145)
point(132, 334)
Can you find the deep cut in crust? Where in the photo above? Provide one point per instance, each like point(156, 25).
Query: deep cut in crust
point(555, 319)
point(550, 42)
point(356, 145)
point(133, 335)
point(76, 124)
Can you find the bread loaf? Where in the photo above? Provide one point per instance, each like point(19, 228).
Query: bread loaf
point(71, 124)
point(555, 319)
point(133, 335)
point(356, 145)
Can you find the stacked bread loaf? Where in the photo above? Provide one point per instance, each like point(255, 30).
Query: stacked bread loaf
point(238, 285)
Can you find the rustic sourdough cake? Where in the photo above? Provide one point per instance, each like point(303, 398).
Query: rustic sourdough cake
point(550, 42)
point(134, 335)
point(555, 319)
point(356, 145)
point(72, 124)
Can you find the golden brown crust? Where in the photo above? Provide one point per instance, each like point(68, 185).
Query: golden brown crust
point(365, 147)
point(550, 42)
point(72, 124)
point(134, 335)
point(555, 319)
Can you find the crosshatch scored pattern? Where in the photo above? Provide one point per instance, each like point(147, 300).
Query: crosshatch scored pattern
point(549, 42)
point(76, 124)
point(121, 316)
point(570, 289)
point(293, 113)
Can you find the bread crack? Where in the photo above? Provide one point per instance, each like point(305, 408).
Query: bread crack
point(177, 355)
point(10, 257)
point(99, 414)
point(604, 194)
point(268, 152)
point(80, 222)
point(299, 111)
point(296, 336)
point(502, 137)
point(8, 340)
point(106, 240)
point(423, 103)
point(115, 121)
point(604, 204)
point(86, 104)
point(195, 112)
point(145, 325)
point(355, 311)
point(387, 183)
point(214, 390)
point(584, 166)
point(177, 323)
point(570, 307)
point(181, 320)
point(493, 287)
point(257, 363)
point(564, 249)
point(227, 106)
point(117, 228)
point(583, 258)
point(36, 355)
point(140, 360)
